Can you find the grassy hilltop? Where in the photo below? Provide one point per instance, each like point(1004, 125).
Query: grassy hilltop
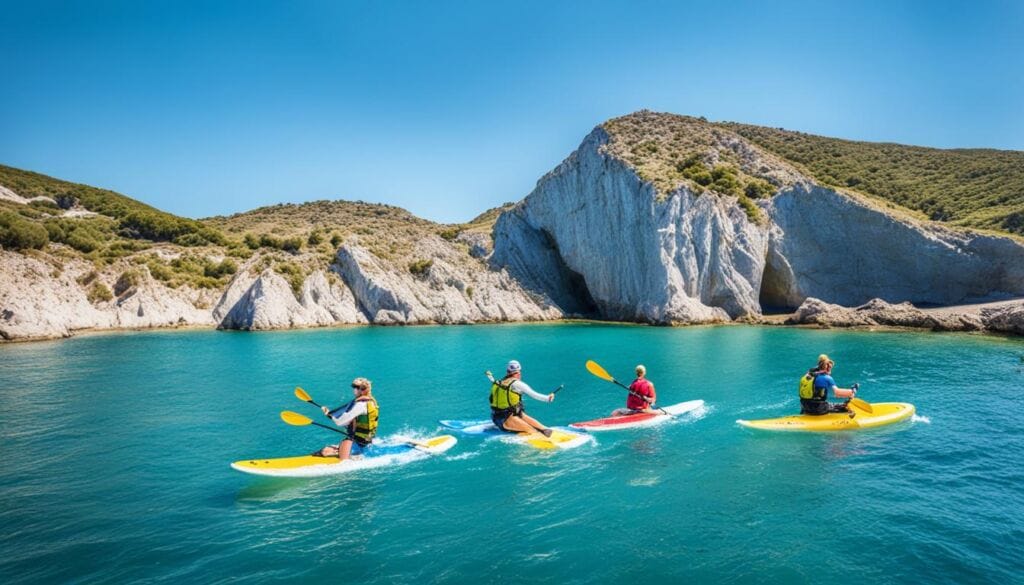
point(974, 188)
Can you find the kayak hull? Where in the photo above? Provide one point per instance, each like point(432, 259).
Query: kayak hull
point(644, 419)
point(560, 439)
point(374, 456)
point(884, 413)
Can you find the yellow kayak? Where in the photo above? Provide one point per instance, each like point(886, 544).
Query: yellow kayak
point(557, 440)
point(884, 413)
point(374, 456)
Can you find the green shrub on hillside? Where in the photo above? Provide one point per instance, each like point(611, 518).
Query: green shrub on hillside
point(225, 267)
point(17, 233)
point(98, 292)
point(292, 273)
point(44, 204)
point(420, 267)
point(128, 279)
point(82, 234)
point(758, 188)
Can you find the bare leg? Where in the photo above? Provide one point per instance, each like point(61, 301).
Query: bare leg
point(536, 424)
point(519, 425)
point(621, 412)
point(344, 449)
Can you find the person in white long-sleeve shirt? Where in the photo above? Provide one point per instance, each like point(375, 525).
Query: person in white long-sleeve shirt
point(507, 411)
point(358, 417)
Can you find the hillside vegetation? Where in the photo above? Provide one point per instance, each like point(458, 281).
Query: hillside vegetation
point(967, 187)
point(670, 151)
point(132, 219)
point(975, 188)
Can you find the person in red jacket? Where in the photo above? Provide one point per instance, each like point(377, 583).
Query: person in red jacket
point(641, 396)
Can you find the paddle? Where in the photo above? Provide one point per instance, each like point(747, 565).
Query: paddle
point(304, 396)
point(297, 420)
point(861, 404)
point(595, 368)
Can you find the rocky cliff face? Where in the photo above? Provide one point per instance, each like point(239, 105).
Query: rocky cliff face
point(844, 250)
point(43, 299)
point(594, 235)
point(40, 299)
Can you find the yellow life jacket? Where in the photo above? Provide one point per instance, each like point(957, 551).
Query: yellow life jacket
point(503, 399)
point(806, 389)
point(364, 427)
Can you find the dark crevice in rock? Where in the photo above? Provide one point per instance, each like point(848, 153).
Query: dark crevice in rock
point(776, 295)
point(576, 285)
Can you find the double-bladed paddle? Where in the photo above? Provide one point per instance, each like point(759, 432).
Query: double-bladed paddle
point(596, 369)
point(296, 419)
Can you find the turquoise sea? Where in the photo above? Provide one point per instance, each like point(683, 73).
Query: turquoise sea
point(115, 452)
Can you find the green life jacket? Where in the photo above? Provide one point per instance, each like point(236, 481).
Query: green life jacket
point(807, 390)
point(503, 400)
point(364, 427)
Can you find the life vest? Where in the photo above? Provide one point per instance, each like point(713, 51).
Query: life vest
point(363, 428)
point(808, 391)
point(643, 387)
point(504, 401)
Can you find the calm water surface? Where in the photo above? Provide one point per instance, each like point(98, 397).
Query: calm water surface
point(115, 453)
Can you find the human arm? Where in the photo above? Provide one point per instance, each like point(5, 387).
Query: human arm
point(345, 418)
point(521, 387)
point(842, 392)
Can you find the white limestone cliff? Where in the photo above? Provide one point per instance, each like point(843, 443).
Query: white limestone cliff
point(593, 235)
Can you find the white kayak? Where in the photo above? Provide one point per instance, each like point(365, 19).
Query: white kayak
point(642, 419)
point(559, 439)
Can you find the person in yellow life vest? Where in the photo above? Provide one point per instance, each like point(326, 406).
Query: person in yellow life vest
point(507, 411)
point(815, 386)
point(359, 417)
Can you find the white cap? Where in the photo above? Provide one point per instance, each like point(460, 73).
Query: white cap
point(513, 367)
point(641, 370)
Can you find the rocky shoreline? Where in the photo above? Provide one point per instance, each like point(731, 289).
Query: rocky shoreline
point(654, 218)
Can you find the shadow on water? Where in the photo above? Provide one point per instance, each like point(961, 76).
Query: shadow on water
point(268, 489)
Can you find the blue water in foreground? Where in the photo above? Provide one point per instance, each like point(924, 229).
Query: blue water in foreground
point(115, 452)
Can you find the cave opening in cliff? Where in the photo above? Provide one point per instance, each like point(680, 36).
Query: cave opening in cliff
point(774, 296)
point(580, 302)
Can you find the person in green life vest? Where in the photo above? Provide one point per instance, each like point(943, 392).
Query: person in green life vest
point(506, 398)
point(815, 386)
point(359, 417)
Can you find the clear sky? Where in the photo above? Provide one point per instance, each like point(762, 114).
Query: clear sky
point(449, 108)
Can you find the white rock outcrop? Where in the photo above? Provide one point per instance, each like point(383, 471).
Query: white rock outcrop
point(453, 289)
point(593, 236)
point(843, 250)
point(879, 312)
point(38, 300)
point(266, 301)
point(1009, 319)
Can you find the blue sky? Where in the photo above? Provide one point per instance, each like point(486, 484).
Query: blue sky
point(449, 108)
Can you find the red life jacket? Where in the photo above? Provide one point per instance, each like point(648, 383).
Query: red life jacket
point(643, 388)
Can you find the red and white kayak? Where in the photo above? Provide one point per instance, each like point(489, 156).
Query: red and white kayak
point(643, 419)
